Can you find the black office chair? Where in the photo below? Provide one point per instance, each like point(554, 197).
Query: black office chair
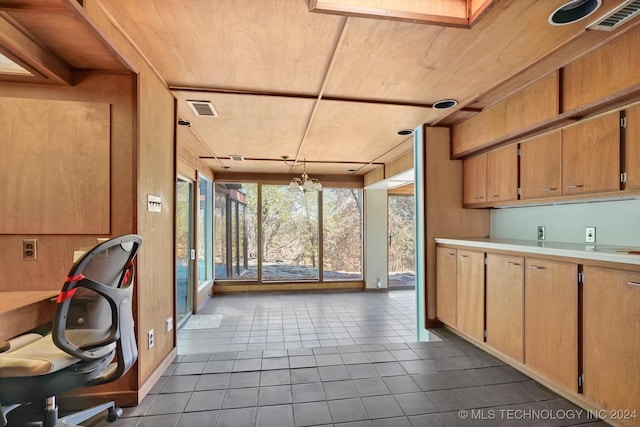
point(93, 325)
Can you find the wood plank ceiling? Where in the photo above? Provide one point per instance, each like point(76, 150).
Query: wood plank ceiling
point(332, 88)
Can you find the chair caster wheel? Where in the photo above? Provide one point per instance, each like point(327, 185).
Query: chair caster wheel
point(114, 414)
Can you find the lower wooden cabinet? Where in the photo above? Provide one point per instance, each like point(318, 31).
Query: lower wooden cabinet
point(612, 340)
point(536, 315)
point(446, 309)
point(505, 304)
point(470, 293)
point(551, 321)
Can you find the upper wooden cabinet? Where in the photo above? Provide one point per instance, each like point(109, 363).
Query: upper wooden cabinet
point(446, 286)
point(612, 339)
point(591, 156)
point(632, 157)
point(526, 109)
point(475, 179)
point(551, 320)
point(540, 166)
point(603, 74)
point(505, 304)
point(502, 174)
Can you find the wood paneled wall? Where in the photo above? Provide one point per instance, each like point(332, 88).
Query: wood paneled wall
point(55, 251)
point(443, 212)
point(61, 185)
point(155, 170)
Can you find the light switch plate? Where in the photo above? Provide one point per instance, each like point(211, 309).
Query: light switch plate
point(154, 203)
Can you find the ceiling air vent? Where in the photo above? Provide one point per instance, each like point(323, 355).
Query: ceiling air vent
point(203, 108)
point(617, 16)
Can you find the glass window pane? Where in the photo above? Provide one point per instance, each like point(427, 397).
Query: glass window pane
point(205, 233)
point(236, 231)
point(342, 223)
point(401, 241)
point(290, 234)
point(220, 251)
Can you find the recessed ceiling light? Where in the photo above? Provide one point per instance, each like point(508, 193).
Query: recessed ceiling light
point(403, 132)
point(444, 104)
point(236, 157)
point(351, 170)
point(573, 11)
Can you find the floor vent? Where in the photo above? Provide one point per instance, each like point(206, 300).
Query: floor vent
point(617, 16)
point(203, 108)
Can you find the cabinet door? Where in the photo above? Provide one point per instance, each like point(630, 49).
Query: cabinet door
point(551, 320)
point(502, 174)
point(475, 179)
point(591, 156)
point(611, 314)
point(470, 293)
point(540, 166)
point(446, 286)
point(505, 304)
point(632, 166)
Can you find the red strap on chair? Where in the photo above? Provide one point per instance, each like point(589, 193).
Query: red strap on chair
point(75, 278)
point(65, 295)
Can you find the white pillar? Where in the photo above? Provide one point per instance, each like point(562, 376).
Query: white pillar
point(376, 273)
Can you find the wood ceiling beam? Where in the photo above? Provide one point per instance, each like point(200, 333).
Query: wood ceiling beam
point(305, 96)
point(15, 40)
point(343, 33)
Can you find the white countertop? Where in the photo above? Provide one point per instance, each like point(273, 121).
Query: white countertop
point(608, 253)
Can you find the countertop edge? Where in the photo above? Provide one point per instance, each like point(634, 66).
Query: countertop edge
point(533, 248)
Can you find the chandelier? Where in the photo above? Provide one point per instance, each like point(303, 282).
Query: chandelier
point(305, 183)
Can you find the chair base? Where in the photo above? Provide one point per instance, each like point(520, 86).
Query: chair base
point(49, 416)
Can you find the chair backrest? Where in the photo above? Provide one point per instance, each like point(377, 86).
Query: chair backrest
point(94, 315)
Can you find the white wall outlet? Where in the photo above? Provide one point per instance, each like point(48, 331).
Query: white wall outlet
point(168, 324)
point(542, 233)
point(590, 235)
point(150, 340)
point(154, 203)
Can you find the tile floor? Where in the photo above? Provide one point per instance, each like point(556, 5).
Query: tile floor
point(277, 321)
point(350, 360)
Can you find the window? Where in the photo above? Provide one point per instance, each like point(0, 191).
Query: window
point(205, 233)
point(342, 227)
point(401, 241)
point(220, 227)
point(236, 224)
point(289, 234)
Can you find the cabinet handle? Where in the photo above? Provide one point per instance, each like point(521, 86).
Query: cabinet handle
point(574, 186)
point(512, 263)
point(549, 189)
point(478, 198)
point(494, 196)
point(464, 256)
point(535, 267)
point(633, 283)
point(450, 254)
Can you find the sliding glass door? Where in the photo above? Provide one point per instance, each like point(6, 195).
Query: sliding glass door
point(185, 252)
